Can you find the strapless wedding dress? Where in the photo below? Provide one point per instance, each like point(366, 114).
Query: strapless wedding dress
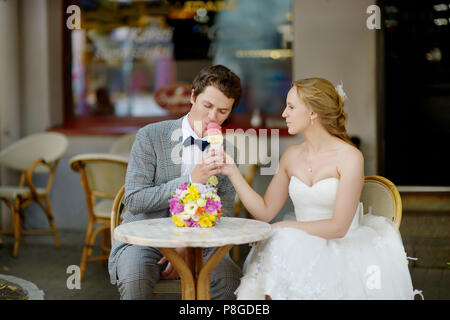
point(368, 263)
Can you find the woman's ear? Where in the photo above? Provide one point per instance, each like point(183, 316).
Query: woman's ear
point(313, 115)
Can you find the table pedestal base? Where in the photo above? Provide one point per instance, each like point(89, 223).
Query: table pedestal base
point(195, 276)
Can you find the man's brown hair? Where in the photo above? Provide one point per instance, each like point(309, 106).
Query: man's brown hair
point(221, 78)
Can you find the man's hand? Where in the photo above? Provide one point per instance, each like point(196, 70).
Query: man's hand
point(170, 273)
point(210, 165)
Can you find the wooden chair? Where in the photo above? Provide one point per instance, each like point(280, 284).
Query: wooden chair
point(380, 197)
point(163, 286)
point(102, 175)
point(35, 154)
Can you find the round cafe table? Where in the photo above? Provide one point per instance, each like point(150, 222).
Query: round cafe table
point(164, 235)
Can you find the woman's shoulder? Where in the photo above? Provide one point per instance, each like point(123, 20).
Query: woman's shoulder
point(293, 150)
point(349, 156)
point(290, 155)
point(348, 151)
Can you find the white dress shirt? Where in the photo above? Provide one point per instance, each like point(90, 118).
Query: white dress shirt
point(191, 155)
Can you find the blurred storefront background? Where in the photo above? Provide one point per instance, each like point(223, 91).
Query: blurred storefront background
point(125, 51)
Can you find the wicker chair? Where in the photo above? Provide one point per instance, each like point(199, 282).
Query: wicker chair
point(163, 286)
point(380, 197)
point(35, 154)
point(102, 175)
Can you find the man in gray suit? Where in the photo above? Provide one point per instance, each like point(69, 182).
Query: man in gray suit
point(161, 161)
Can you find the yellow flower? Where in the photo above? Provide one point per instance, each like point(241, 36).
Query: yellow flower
point(187, 199)
point(204, 221)
point(178, 222)
point(212, 217)
point(213, 180)
point(193, 192)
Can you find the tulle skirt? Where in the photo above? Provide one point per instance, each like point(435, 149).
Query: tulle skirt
point(368, 263)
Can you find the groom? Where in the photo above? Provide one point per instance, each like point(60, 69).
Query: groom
point(156, 169)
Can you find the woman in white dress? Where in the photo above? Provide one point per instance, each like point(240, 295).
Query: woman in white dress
point(332, 250)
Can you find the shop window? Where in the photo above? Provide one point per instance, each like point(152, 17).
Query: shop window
point(126, 52)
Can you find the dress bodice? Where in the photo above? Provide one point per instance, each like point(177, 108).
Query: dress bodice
point(316, 202)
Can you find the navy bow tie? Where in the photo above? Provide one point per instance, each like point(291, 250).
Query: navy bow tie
point(199, 143)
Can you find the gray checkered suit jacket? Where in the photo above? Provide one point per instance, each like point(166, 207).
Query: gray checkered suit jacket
point(153, 173)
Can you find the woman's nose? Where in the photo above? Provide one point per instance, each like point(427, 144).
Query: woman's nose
point(284, 113)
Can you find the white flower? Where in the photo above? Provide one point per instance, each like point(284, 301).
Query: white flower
point(184, 194)
point(190, 208)
point(340, 90)
point(215, 197)
point(201, 202)
point(184, 216)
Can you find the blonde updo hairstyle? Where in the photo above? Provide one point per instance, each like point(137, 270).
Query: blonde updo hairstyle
point(320, 96)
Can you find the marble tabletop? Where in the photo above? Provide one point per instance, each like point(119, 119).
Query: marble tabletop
point(162, 233)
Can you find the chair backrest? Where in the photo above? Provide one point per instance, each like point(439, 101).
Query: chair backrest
point(380, 197)
point(49, 146)
point(117, 209)
point(102, 174)
point(123, 144)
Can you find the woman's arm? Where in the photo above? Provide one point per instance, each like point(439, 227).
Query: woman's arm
point(351, 170)
point(260, 208)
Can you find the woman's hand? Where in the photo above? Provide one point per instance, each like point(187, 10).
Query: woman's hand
point(228, 167)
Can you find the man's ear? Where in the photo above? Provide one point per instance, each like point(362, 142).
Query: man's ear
point(192, 97)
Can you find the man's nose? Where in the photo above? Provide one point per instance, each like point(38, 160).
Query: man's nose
point(212, 115)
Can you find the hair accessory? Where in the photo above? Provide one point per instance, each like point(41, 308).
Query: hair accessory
point(340, 90)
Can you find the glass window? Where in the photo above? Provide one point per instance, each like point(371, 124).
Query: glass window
point(138, 58)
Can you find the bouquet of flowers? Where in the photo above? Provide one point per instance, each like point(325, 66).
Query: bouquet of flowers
point(196, 205)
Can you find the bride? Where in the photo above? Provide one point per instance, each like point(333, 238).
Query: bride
point(332, 250)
